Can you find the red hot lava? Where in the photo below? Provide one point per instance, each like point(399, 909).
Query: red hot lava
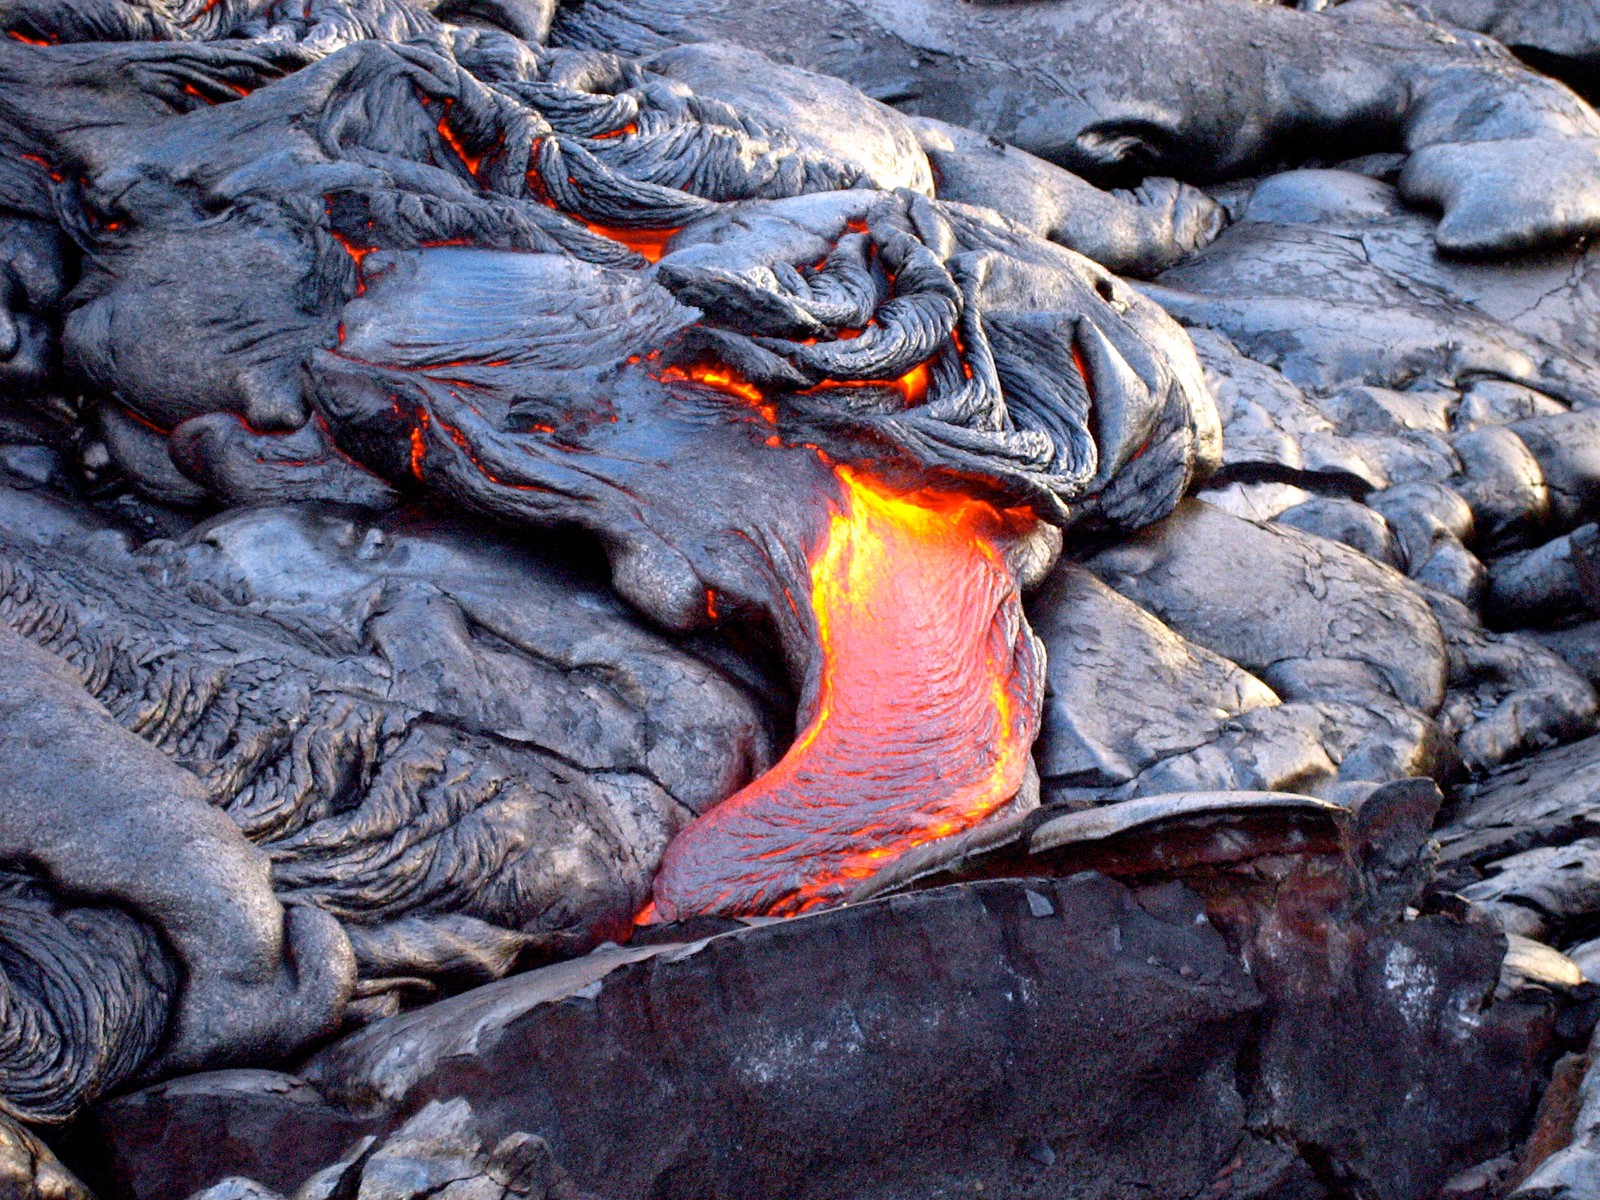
point(926, 705)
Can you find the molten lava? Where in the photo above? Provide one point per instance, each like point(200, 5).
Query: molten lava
point(649, 243)
point(926, 704)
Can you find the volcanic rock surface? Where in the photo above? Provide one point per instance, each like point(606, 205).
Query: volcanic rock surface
point(622, 600)
point(1057, 1035)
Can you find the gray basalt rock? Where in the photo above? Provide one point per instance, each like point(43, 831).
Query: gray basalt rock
point(1313, 621)
point(1135, 709)
point(1560, 36)
point(407, 258)
point(1544, 296)
point(1383, 1064)
point(1509, 696)
point(1547, 584)
point(1310, 301)
point(1125, 691)
point(1235, 81)
point(1303, 610)
point(509, 742)
point(1513, 455)
point(1343, 520)
point(1554, 885)
point(1577, 645)
point(1550, 799)
point(482, 379)
point(438, 1152)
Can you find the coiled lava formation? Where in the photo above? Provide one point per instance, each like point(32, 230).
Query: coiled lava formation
point(551, 290)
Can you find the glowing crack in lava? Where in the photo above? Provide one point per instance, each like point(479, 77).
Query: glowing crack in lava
point(927, 702)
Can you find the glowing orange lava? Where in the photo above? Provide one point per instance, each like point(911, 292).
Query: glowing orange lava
point(448, 136)
point(913, 385)
point(649, 243)
point(927, 703)
point(729, 383)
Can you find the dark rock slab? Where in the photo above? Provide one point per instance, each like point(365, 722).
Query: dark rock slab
point(1042, 1037)
point(1254, 1009)
point(1384, 1056)
point(1151, 837)
point(439, 1152)
point(166, 1140)
point(1383, 1052)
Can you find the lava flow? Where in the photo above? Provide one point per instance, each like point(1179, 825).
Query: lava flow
point(927, 702)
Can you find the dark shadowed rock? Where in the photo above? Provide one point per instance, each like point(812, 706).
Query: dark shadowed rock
point(1383, 1050)
point(1045, 1038)
point(1573, 1172)
point(438, 1152)
point(270, 1127)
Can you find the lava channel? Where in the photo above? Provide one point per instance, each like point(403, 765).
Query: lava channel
point(926, 704)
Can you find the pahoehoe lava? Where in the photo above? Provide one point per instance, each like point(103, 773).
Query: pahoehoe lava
point(505, 503)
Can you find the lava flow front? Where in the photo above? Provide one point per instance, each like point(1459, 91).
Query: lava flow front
point(927, 702)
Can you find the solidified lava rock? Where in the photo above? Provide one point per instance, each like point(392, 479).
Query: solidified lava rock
point(1045, 1037)
point(1278, 1027)
point(346, 345)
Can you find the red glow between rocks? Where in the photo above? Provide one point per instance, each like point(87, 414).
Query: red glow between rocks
point(927, 704)
point(448, 135)
point(419, 447)
point(357, 254)
point(39, 161)
point(913, 385)
point(651, 244)
point(726, 381)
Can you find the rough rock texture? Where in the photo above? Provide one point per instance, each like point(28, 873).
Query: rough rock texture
point(1238, 84)
point(469, 755)
point(1125, 690)
point(1313, 899)
point(1353, 650)
point(423, 448)
point(1572, 1172)
point(1052, 1026)
point(1551, 799)
point(29, 1171)
point(404, 260)
point(1559, 36)
point(438, 1152)
point(270, 1127)
point(1050, 1037)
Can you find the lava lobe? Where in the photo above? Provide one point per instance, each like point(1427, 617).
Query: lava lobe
point(927, 703)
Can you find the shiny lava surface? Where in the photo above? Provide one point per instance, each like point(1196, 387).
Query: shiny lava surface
point(926, 705)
